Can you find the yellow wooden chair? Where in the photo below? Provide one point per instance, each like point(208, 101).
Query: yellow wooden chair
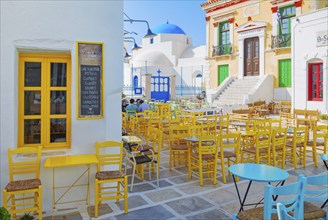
point(131, 125)
point(141, 125)
point(147, 113)
point(154, 142)
point(203, 159)
point(16, 190)
point(229, 150)
point(278, 146)
point(224, 123)
point(275, 123)
point(104, 190)
point(198, 130)
point(318, 143)
point(261, 150)
point(178, 146)
point(296, 147)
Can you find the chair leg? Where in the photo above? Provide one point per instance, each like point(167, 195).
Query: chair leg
point(40, 202)
point(214, 171)
point(96, 197)
point(4, 199)
point(314, 155)
point(223, 171)
point(35, 202)
point(118, 191)
point(171, 158)
point(13, 204)
point(133, 173)
point(149, 171)
point(157, 174)
point(126, 202)
point(201, 182)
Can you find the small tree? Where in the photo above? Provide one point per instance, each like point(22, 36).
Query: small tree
point(4, 214)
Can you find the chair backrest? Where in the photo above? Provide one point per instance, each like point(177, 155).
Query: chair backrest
point(275, 123)
point(29, 166)
point(224, 123)
point(131, 113)
point(295, 203)
point(207, 145)
point(197, 130)
point(263, 139)
point(132, 124)
point(147, 113)
point(300, 135)
point(251, 125)
point(155, 139)
point(282, 212)
point(230, 141)
point(316, 189)
point(178, 133)
point(279, 137)
point(263, 125)
point(320, 132)
point(109, 153)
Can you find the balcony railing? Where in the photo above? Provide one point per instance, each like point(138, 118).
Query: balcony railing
point(223, 49)
point(279, 41)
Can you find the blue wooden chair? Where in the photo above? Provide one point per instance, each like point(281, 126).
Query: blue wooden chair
point(316, 191)
point(271, 193)
point(282, 213)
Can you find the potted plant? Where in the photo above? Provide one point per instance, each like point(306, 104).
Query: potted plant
point(4, 214)
point(27, 216)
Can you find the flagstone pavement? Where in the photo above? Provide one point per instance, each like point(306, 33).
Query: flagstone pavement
point(180, 198)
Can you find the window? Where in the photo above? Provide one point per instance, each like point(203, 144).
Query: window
point(315, 80)
point(224, 37)
point(151, 40)
point(44, 100)
point(286, 14)
point(285, 73)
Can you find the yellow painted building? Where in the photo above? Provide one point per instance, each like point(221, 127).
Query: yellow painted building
point(253, 38)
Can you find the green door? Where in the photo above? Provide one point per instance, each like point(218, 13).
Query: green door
point(285, 73)
point(223, 72)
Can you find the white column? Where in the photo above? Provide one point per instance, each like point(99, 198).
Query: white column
point(231, 28)
point(274, 24)
point(298, 11)
point(241, 58)
point(215, 36)
point(208, 46)
point(261, 38)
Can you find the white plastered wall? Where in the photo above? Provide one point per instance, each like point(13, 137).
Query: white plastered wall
point(55, 26)
point(305, 51)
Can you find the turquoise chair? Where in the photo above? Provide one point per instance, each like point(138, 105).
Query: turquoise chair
point(316, 191)
point(295, 204)
point(282, 213)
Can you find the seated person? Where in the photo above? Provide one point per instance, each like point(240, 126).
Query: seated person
point(124, 104)
point(132, 106)
point(142, 106)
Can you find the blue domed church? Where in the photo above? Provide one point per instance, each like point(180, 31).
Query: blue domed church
point(167, 65)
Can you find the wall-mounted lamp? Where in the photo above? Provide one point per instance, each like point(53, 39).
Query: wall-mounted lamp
point(149, 32)
point(135, 47)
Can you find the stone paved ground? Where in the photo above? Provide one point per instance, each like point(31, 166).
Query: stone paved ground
point(178, 198)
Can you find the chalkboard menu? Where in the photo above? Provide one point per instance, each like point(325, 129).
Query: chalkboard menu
point(90, 75)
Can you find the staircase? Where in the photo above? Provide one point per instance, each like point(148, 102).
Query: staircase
point(234, 93)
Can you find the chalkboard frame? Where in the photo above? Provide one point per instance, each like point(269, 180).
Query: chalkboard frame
point(79, 63)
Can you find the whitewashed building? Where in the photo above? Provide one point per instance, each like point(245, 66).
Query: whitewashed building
point(170, 51)
point(37, 39)
point(310, 60)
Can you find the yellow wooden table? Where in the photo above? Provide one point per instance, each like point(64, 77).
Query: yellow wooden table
point(131, 139)
point(68, 161)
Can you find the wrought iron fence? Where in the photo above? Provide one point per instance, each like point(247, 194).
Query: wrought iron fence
point(184, 90)
point(222, 50)
point(279, 41)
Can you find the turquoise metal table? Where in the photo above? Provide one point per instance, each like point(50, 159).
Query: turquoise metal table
point(257, 173)
point(324, 158)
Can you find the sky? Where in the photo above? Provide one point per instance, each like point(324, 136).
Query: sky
point(187, 14)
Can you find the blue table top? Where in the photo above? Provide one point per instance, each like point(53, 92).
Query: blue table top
point(324, 157)
point(258, 172)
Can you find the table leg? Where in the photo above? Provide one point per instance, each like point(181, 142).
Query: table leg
point(53, 193)
point(326, 164)
point(88, 190)
point(244, 199)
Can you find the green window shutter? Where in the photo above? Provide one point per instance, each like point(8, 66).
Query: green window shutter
point(285, 73)
point(223, 73)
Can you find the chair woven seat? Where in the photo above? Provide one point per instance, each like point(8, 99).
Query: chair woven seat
point(319, 143)
point(290, 144)
point(228, 154)
point(205, 156)
point(106, 175)
point(313, 212)
point(179, 147)
point(142, 159)
point(253, 150)
point(23, 185)
point(254, 214)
